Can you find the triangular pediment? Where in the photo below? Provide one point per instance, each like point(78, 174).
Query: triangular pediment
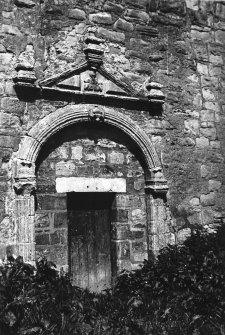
point(86, 79)
point(92, 81)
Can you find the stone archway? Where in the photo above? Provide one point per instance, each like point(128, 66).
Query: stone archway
point(25, 164)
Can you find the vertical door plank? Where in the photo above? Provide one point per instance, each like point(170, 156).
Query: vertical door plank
point(90, 254)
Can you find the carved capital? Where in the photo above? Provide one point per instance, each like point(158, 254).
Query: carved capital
point(157, 183)
point(25, 186)
point(24, 176)
point(96, 114)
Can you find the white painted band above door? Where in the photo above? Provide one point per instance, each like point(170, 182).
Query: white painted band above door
point(82, 184)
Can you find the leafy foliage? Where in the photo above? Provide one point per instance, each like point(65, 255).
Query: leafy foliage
point(181, 292)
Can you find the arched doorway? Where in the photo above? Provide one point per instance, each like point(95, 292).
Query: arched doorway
point(73, 119)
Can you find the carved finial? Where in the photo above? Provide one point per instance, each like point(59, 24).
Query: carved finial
point(154, 92)
point(25, 66)
point(94, 51)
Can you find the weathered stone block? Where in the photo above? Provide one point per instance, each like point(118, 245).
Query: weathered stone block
point(51, 202)
point(209, 171)
point(192, 4)
point(85, 170)
point(59, 255)
point(216, 59)
point(77, 14)
point(121, 24)
point(201, 35)
point(220, 10)
point(65, 168)
point(192, 126)
point(105, 143)
point(13, 105)
point(202, 142)
point(42, 239)
point(25, 3)
point(113, 7)
point(11, 30)
point(77, 152)
point(215, 144)
point(203, 69)
point(220, 36)
point(212, 105)
point(173, 6)
point(42, 220)
point(101, 18)
point(207, 94)
point(183, 234)
point(195, 218)
point(214, 185)
point(120, 232)
point(138, 217)
point(111, 36)
point(60, 219)
point(6, 58)
point(137, 3)
point(138, 252)
point(8, 141)
point(55, 238)
point(116, 157)
point(207, 216)
point(139, 184)
point(207, 115)
point(121, 201)
point(197, 100)
point(119, 215)
point(97, 156)
point(61, 152)
point(137, 233)
point(208, 133)
point(123, 250)
point(207, 199)
point(136, 16)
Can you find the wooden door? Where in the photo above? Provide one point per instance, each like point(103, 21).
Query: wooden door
point(89, 242)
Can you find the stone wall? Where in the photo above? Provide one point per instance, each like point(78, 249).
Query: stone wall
point(177, 43)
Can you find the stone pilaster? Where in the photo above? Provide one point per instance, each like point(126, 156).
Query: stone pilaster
point(23, 217)
point(158, 234)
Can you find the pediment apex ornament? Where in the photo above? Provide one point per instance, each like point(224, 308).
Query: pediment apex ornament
point(93, 51)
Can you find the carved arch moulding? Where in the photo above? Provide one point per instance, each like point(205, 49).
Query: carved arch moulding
point(31, 144)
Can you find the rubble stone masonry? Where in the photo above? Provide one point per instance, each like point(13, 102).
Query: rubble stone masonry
point(176, 43)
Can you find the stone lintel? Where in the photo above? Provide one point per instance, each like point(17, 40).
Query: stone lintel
point(82, 184)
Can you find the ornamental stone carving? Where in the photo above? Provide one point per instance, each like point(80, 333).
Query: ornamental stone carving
point(24, 176)
point(96, 114)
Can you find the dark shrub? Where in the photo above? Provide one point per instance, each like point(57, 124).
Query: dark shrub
point(181, 292)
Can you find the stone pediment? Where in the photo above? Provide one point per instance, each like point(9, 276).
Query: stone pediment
point(89, 81)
